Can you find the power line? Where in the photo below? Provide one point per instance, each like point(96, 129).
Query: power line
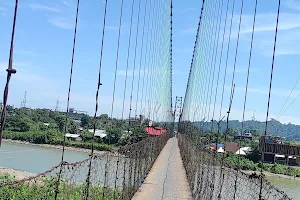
point(288, 107)
point(287, 98)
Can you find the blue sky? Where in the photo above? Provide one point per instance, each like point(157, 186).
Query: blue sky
point(43, 44)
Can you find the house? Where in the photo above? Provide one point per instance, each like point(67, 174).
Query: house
point(231, 147)
point(98, 133)
point(46, 124)
point(243, 151)
point(74, 137)
point(155, 130)
point(243, 136)
point(272, 139)
point(214, 146)
point(286, 160)
point(77, 121)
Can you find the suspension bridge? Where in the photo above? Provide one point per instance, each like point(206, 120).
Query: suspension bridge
point(168, 166)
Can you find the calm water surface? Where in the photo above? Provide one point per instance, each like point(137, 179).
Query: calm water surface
point(34, 159)
point(290, 187)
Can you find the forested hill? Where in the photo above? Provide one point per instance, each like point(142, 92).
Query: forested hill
point(290, 131)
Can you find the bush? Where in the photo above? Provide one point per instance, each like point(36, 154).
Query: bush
point(55, 138)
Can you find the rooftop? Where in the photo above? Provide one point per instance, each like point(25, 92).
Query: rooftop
point(69, 135)
point(155, 130)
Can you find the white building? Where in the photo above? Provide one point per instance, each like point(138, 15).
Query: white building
point(243, 151)
point(74, 137)
point(98, 133)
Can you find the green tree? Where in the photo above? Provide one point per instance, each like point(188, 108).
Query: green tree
point(104, 116)
point(60, 121)
point(85, 121)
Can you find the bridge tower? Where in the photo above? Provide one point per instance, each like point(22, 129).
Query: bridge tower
point(177, 110)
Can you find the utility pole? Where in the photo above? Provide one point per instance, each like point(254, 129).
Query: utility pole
point(57, 105)
point(253, 117)
point(25, 99)
point(23, 102)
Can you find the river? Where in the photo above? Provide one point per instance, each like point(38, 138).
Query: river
point(36, 159)
point(289, 186)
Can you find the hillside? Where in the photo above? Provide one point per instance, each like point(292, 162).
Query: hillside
point(289, 131)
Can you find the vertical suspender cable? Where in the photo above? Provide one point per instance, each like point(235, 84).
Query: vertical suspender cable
point(96, 108)
point(10, 71)
point(114, 89)
point(68, 102)
point(269, 99)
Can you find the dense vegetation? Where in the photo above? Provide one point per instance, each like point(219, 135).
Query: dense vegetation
point(245, 163)
point(45, 189)
point(42, 126)
point(250, 162)
point(289, 131)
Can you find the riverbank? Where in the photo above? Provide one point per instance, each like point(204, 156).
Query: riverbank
point(269, 174)
point(17, 174)
point(59, 147)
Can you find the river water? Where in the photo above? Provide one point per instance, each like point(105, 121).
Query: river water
point(36, 159)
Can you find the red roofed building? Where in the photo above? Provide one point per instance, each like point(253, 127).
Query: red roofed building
point(155, 130)
point(231, 147)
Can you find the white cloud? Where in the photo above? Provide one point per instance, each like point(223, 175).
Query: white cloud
point(61, 22)
point(288, 40)
point(37, 6)
point(275, 91)
point(69, 3)
point(292, 4)
point(288, 43)
point(3, 9)
point(27, 53)
point(267, 22)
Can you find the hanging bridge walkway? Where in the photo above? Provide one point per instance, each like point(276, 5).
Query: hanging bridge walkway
point(167, 178)
point(161, 166)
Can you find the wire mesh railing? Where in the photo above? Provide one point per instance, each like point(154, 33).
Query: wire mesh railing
point(211, 177)
point(114, 175)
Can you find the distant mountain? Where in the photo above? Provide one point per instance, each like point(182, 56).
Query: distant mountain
point(289, 131)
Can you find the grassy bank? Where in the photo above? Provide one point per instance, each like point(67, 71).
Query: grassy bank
point(45, 189)
point(246, 164)
point(54, 138)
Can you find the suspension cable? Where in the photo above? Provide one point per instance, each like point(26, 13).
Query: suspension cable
point(269, 99)
point(68, 101)
point(9, 71)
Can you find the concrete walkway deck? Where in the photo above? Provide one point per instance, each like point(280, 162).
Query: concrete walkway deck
point(167, 178)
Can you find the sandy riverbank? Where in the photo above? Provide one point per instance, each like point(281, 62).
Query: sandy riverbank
point(19, 175)
point(59, 147)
